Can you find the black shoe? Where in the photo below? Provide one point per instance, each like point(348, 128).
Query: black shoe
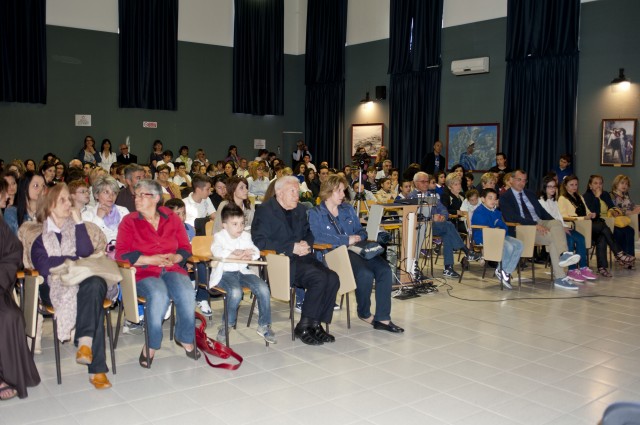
point(307, 336)
point(391, 327)
point(321, 335)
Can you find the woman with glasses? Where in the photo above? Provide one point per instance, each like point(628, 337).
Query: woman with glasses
point(30, 188)
point(170, 190)
point(154, 240)
point(80, 195)
point(575, 240)
point(88, 153)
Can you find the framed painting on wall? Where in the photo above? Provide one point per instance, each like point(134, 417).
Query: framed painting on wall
point(618, 142)
point(367, 136)
point(474, 146)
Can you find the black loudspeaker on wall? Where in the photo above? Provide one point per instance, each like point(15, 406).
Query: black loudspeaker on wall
point(381, 92)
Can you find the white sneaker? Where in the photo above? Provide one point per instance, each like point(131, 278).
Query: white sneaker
point(205, 308)
point(568, 259)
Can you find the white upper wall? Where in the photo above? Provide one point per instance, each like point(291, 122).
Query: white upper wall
point(211, 21)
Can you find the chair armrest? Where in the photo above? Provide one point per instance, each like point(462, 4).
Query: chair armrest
point(322, 246)
point(512, 224)
point(235, 261)
point(265, 252)
point(124, 264)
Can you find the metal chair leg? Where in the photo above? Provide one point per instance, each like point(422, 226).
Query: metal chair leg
point(56, 349)
point(118, 323)
point(253, 305)
point(146, 339)
point(292, 303)
point(348, 312)
point(111, 343)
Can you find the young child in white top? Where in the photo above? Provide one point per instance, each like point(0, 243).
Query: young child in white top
point(233, 243)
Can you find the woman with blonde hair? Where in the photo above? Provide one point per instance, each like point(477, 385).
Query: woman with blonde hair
point(258, 179)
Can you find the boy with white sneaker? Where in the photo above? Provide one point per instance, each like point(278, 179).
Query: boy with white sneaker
point(486, 214)
point(233, 243)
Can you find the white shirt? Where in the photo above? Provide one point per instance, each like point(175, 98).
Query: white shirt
point(195, 209)
point(179, 180)
point(551, 206)
point(106, 161)
point(223, 245)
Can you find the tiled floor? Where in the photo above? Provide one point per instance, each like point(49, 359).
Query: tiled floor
point(534, 356)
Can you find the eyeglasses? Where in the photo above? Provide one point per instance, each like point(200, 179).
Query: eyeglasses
point(124, 149)
point(422, 181)
point(81, 192)
point(143, 195)
point(163, 172)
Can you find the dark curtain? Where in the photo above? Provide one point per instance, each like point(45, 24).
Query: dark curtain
point(324, 79)
point(23, 51)
point(148, 54)
point(541, 84)
point(258, 57)
point(415, 67)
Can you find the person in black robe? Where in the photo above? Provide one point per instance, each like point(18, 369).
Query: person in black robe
point(17, 368)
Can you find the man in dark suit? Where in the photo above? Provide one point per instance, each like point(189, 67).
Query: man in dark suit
point(280, 224)
point(125, 157)
point(520, 205)
point(434, 161)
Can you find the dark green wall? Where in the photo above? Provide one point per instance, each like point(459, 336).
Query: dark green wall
point(83, 79)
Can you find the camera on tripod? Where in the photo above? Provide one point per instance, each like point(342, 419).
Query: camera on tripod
point(361, 160)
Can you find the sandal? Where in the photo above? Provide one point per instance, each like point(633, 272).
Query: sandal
point(143, 359)
point(624, 259)
point(5, 388)
point(602, 271)
point(193, 354)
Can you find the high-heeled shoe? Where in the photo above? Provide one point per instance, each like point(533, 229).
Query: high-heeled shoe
point(602, 271)
point(193, 354)
point(624, 259)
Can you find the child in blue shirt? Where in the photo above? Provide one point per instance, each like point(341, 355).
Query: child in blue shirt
point(487, 215)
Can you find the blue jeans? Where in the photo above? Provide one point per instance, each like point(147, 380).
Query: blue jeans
point(158, 291)
point(233, 282)
point(511, 253)
point(451, 240)
point(575, 241)
point(364, 272)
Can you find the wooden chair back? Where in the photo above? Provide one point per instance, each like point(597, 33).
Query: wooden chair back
point(30, 307)
point(493, 243)
point(527, 234)
point(584, 228)
point(634, 225)
point(129, 293)
point(201, 246)
point(279, 276)
point(338, 261)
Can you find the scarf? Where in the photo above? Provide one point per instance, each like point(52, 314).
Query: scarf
point(112, 220)
point(576, 201)
point(63, 297)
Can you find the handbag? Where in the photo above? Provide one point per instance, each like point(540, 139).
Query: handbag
point(619, 218)
point(72, 272)
point(212, 347)
point(367, 249)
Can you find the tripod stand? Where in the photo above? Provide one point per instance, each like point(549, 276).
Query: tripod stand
point(360, 196)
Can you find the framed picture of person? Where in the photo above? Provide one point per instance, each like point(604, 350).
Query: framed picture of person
point(474, 146)
point(618, 142)
point(367, 136)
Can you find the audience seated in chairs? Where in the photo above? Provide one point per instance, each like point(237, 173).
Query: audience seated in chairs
point(280, 224)
point(154, 239)
point(442, 227)
point(63, 235)
point(336, 222)
point(233, 243)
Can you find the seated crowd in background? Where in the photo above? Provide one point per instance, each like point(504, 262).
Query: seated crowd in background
point(101, 201)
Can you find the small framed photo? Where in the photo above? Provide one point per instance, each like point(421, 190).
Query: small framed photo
point(618, 142)
point(474, 146)
point(367, 136)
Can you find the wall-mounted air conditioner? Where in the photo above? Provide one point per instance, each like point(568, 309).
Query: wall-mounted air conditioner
point(470, 66)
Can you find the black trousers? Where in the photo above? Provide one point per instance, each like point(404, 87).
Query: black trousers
point(321, 286)
point(90, 320)
point(601, 233)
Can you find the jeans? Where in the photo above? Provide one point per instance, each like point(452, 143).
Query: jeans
point(233, 282)
point(511, 253)
point(364, 272)
point(158, 291)
point(575, 241)
point(90, 320)
point(451, 240)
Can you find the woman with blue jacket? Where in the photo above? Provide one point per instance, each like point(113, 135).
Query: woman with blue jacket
point(336, 223)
